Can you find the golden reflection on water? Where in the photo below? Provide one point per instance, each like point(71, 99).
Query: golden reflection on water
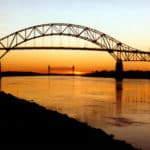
point(119, 96)
point(119, 107)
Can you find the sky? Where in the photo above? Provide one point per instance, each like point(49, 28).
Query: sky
point(127, 21)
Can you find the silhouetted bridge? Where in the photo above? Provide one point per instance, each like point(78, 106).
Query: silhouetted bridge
point(119, 51)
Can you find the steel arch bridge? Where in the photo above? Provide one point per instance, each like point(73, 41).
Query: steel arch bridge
point(119, 51)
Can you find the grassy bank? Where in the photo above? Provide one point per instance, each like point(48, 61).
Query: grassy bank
point(24, 122)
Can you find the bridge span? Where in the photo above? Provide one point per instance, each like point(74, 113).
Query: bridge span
point(118, 50)
point(136, 54)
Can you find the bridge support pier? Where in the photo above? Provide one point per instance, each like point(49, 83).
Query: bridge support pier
point(119, 69)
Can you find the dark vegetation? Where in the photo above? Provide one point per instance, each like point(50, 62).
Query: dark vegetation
point(24, 122)
point(109, 74)
point(125, 74)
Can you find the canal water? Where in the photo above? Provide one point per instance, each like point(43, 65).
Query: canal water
point(121, 108)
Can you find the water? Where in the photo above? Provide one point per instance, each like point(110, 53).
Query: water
point(119, 108)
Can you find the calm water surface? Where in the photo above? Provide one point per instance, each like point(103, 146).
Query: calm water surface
point(119, 108)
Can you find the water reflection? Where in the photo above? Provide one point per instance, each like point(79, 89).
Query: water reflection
point(120, 107)
point(119, 91)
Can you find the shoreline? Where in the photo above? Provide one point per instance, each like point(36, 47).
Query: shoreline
point(105, 74)
point(26, 122)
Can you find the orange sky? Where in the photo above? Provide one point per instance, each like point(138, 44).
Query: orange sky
point(84, 61)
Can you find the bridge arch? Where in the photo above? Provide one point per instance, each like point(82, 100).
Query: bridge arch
point(117, 49)
point(101, 39)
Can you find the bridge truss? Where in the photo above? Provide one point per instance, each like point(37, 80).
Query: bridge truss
point(115, 48)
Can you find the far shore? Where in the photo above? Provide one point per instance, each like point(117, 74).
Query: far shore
point(106, 74)
point(24, 122)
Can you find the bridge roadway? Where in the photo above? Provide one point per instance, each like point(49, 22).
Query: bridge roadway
point(75, 48)
point(137, 55)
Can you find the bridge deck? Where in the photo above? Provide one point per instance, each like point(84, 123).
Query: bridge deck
point(75, 48)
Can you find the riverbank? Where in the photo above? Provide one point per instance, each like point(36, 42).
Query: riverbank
point(25, 122)
point(106, 74)
point(125, 74)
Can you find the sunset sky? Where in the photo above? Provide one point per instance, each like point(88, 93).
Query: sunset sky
point(127, 21)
